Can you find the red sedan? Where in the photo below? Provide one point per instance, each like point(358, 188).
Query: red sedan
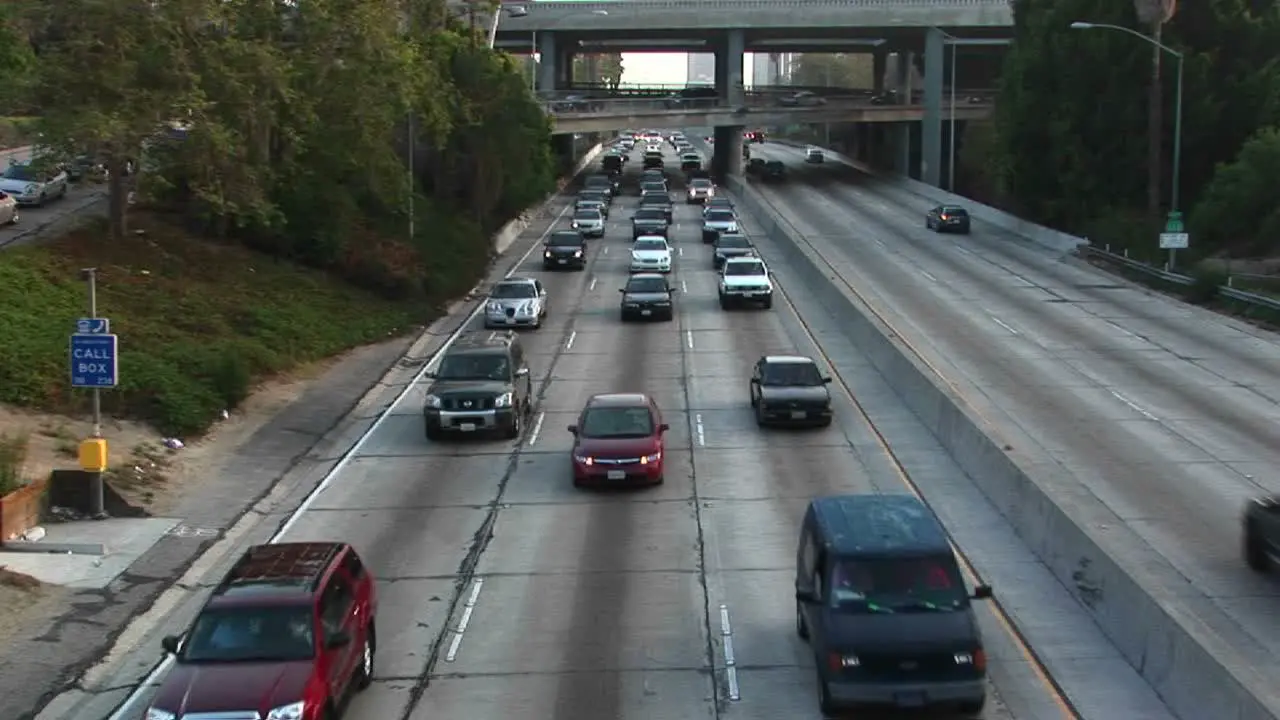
point(619, 440)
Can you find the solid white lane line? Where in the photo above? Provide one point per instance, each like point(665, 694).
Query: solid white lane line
point(688, 334)
point(928, 277)
point(730, 661)
point(464, 621)
point(1019, 278)
point(1133, 406)
point(130, 707)
point(537, 428)
point(1005, 325)
point(568, 344)
point(592, 286)
point(697, 427)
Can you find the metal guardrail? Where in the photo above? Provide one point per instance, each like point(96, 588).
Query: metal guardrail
point(613, 106)
point(1173, 278)
point(579, 6)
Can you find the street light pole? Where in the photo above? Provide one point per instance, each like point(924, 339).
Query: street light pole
point(951, 126)
point(1175, 216)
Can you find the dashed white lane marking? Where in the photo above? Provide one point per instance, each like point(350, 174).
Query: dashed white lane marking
point(881, 244)
point(592, 286)
point(928, 277)
point(688, 336)
point(680, 251)
point(730, 660)
point(1134, 406)
point(1005, 325)
point(568, 344)
point(606, 249)
point(965, 250)
point(698, 430)
point(464, 621)
point(683, 287)
point(537, 429)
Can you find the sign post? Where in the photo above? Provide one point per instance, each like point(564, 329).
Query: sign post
point(1174, 237)
point(94, 361)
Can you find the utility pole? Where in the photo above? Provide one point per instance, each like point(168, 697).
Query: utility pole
point(1155, 126)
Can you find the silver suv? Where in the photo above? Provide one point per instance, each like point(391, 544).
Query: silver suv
point(481, 385)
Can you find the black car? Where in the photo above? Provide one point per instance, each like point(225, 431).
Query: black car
point(717, 201)
point(730, 245)
point(660, 200)
point(882, 603)
point(690, 162)
point(647, 296)
point(774, 171)
point(649, 221)
point(601, 183)
point(612, 162)
point(659, 186)
point(594, 194)
point(755, 166)
point(1262, 533)
point(653, 175)
point(789, 389)
point(565, 250)
point(947, 219)
point(653, 160)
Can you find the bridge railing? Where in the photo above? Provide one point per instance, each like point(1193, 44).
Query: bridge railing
point(605, 91)
point(581, 106)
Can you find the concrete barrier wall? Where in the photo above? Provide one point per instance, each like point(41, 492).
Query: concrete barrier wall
point(1040, 235)
point(510, 232)
point(1200, 668)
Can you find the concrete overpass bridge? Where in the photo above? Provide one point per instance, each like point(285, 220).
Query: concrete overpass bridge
point(604, 115)
point(925, 34)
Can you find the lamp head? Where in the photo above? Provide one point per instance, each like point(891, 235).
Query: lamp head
point(1081, 26)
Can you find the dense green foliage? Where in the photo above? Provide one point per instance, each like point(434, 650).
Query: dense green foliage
point(604, 69)
point(1068, 144)
point(845, 70)
point(292, 121)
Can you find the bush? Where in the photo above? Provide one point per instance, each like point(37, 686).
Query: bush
point(13, 456)
point(1205, 283)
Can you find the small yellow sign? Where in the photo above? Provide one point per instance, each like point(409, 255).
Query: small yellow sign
point(93, 455)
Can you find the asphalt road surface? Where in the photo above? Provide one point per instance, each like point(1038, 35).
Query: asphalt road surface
point(616, 605)
point(1166, 412)
point(79, 198)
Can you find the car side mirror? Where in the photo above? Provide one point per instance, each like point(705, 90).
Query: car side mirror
point(622, 290)
point(573, 429)
point(171, 643)
point(808, 597)
point(826, 381)
point(982, 592)
point(522, 372)
point(664, 427)
point(337, 640)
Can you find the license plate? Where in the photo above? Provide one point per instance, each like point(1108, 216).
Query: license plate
point(797, 415)
point(563, 261)
point(617, 475)
point(467, 427)
point(646, 312)
point(909, 699)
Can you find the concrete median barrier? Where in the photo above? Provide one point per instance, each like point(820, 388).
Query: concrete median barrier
point(1200, 663)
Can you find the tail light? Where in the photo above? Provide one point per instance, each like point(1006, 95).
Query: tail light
point(839, 661)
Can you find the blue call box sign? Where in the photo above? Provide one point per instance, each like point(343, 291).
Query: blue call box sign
point(94, 361)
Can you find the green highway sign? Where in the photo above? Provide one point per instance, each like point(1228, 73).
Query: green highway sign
point(1174, 223)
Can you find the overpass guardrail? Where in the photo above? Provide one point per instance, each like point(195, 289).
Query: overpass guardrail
point(858, 99)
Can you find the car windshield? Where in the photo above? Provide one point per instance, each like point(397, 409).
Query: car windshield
point(565, 240)
point(732, 241)
point(657, 187)
point(690, 157)
point(586, 214)
point(473, 367)
point(744, 268)
point(958, 212)
point(649, 245)
point(616, 422)
point(251, 634)
point(650, 214)
point(700, 183)
point(511, 291)
point(794, 374)
point(598, 181)
point(646, 285)
point(897, 585)
point(20, 172)
point(720, 216)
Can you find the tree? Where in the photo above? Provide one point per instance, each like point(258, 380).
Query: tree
point(598, 69)
point(843, 70)
point(1238, 211)
point(16, 58)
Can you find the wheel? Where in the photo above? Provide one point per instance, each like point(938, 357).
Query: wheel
point(1255, 556)
point(724, 303)
point(753, 398)
point(826, 422)
point(973, 708)
point(760, 420)
point(826, 703)
point(14, 220)
point(661, 480)
point(434, 434)
point(768, 303)
point(364, 674)
point(40, 202)
point(488, 325)
point(670, 316)
point(512, 431)
point(802, 630)
point(622, 317)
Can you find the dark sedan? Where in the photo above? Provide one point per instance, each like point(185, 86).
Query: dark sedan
point(647, 296)
point(790, 390)
point(948, 218)
point(565, 250)
point(649, 221)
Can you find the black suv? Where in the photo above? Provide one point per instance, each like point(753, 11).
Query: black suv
point(774, 171)
point(649, 221)
point(880, 598)
point(730, 245)
point(790, 389)
point(565, 250)
point(647, 296)
point(661, 200)
point(948, 218)
point(481, 385)
point(1262, 533)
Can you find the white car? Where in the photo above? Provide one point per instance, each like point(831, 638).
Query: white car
point(814, 155)
point(30, 186)
point(589, 222)
point(654, 147)
point(651, 253)
point(745, 280)
point(8, 209)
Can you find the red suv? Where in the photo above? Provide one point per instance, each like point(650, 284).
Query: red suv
point(619, 439)
point(286, 635)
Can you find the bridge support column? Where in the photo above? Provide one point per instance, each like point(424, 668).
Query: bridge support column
point(880, 67)
point(729, 60)
point(548, 62)
point(900, 139)
point(726, 153)
point(931, 127)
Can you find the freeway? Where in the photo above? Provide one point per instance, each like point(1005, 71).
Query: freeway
point(1165, 412)
point(620, 605)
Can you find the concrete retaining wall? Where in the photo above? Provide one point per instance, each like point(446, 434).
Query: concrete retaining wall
point(1163, 627)
point(1040, 235)
point(510, 232)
